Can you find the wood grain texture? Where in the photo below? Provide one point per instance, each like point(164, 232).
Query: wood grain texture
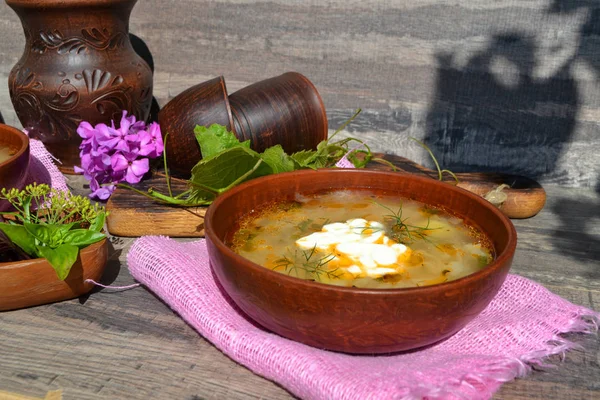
point(129, 345)
point(507, 85)
point(132, 215)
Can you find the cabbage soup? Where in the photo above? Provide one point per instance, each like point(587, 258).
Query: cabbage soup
point(357, 238)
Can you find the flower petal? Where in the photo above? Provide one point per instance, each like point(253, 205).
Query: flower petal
point(140, 167)
point(85, 130)
point(119, 162)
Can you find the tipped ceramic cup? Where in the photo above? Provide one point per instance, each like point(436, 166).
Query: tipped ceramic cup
point(202, 104)
point(286, 110)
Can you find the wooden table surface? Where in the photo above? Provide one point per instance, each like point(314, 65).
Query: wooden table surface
point(129, 345)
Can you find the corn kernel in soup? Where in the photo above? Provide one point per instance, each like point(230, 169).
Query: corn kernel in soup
point(355, 238)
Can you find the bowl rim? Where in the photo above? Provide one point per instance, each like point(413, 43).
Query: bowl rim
point(501, 260)
point(24, 143)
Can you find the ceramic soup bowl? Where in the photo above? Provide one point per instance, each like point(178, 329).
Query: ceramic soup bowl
point(349, 319)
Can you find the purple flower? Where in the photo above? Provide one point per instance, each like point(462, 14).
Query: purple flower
point(100, 192)
point(134, 169)
point(151, 142)
point(129, 125)
point(110, 155)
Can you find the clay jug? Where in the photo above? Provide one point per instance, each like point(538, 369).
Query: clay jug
point(78, 65)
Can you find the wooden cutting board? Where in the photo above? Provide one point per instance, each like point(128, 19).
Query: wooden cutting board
point(131, 214)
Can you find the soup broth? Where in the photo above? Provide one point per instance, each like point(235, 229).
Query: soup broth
point(354, 238)
point(6, 153)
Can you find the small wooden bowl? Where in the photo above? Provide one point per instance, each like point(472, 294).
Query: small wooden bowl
point(203, 104)
point(33, 282)
point(356, 320)
point(14, 170)
point(286, 110)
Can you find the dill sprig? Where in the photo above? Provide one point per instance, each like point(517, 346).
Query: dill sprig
point(401, 231)
point(309, 262)
point(39, 204)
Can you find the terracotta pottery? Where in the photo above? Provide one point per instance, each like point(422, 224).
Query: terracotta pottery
point(14, 170)
point(78, 64)
point(355, 320)
point(33, 282)
point(203, 104)
point(286, 110)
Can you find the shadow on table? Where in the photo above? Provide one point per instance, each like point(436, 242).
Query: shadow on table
point(574, 237)
point(505, 107)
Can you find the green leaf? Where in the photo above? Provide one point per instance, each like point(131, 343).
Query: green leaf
point(26, 209)
point(304, 157)
point(98, 224)
point(82, 237)
point(311, 158)
point(21, 237)
point(223, 169)
point(226, 162)
point(61, 258)
point(49, 234)
point(277, 159)
point(215, 139)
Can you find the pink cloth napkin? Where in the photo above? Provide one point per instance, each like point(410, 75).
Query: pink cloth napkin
point(518, 329)
point(42, 168)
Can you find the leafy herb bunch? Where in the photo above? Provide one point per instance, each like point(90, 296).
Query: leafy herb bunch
point(51, 224)
point(227, 162)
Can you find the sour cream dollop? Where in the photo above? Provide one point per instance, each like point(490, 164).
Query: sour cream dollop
point(358, 246)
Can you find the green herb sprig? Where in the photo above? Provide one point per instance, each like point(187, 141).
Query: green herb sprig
point(51, 224)
point(308, 261)
point(440, 171)
point(401, 231)
point(227, 162)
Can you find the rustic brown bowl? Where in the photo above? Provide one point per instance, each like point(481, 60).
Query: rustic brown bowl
point(286, 110)
point(33, 282)
point(203, 104)
point(346, 319)
point(14, 170)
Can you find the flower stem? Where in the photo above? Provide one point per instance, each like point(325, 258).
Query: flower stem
point(345, 124)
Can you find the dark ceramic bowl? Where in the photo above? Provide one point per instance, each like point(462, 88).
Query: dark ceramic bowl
point(356, 320)
point(14, 170)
